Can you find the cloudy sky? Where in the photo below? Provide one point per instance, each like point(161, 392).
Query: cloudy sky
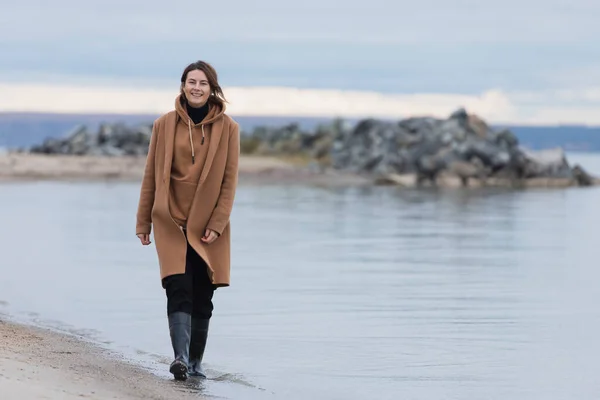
point(526, 61)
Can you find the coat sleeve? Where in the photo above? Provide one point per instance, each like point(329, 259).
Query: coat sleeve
point(220, 215)
point(146, 201)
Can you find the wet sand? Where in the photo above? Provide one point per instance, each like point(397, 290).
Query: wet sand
point(41, 364)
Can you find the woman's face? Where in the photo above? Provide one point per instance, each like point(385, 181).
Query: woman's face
point(196, 88)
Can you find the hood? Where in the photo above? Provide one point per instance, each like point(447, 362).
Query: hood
point(214, 111)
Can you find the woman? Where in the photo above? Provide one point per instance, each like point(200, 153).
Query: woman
point(187, 195)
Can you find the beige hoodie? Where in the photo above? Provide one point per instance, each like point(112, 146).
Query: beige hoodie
point(189, 154)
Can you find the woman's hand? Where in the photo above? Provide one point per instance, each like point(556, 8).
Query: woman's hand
point(209, 236)
point(144, 238)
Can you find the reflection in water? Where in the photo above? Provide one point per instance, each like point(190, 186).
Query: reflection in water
point(345, 293)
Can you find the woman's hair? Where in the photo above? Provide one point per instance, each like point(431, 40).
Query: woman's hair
point(216, 92)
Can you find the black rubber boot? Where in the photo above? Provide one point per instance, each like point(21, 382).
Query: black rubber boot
point(180, 326)
point(197, 346)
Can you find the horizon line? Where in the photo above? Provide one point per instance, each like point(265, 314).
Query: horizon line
point(288, 117)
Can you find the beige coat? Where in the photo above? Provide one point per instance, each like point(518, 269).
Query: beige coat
point(210, 208)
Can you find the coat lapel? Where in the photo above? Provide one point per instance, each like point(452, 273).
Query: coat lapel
point(215, 138)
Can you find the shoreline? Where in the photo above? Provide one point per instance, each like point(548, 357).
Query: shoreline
point(261, 170)
point(40, 363)
point(21, 167)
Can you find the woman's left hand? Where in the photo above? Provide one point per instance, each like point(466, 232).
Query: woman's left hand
point(209, 236)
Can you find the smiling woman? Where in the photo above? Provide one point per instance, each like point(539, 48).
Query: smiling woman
point(200, 84)
point(187, 197)
point(196, 88)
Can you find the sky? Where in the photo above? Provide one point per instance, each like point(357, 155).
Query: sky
point(514, 61)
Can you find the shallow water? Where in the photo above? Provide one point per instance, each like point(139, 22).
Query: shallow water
point(347, 294)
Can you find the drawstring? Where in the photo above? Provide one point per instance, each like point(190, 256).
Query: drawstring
point(192, 140)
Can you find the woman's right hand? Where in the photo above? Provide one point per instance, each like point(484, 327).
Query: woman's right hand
point(144, 238)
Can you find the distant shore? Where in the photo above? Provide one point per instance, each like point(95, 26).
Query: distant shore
point(38, 363)
point(252, 170)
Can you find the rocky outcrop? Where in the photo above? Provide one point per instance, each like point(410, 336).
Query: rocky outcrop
point(462, 146)
point(109, 140)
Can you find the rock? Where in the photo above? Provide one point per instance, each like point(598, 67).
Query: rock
point(466, 171)
point(470, 124)
point(582, 177)
point(478, 126)
point(547, 163)
point(110, 140)
point(420, 127)
point(50, 146)
point(429, 164)
point(506, 139)
point(79, 141)
point(460, 114)
point(488, 152)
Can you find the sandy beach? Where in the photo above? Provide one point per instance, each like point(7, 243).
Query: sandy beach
point(40, 364)
point(65, 167)
point(262, 170)
point(252, 169)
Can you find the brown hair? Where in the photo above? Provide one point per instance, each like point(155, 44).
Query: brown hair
point(216, 92)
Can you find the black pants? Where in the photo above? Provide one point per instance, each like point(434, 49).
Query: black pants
point(193, 291)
